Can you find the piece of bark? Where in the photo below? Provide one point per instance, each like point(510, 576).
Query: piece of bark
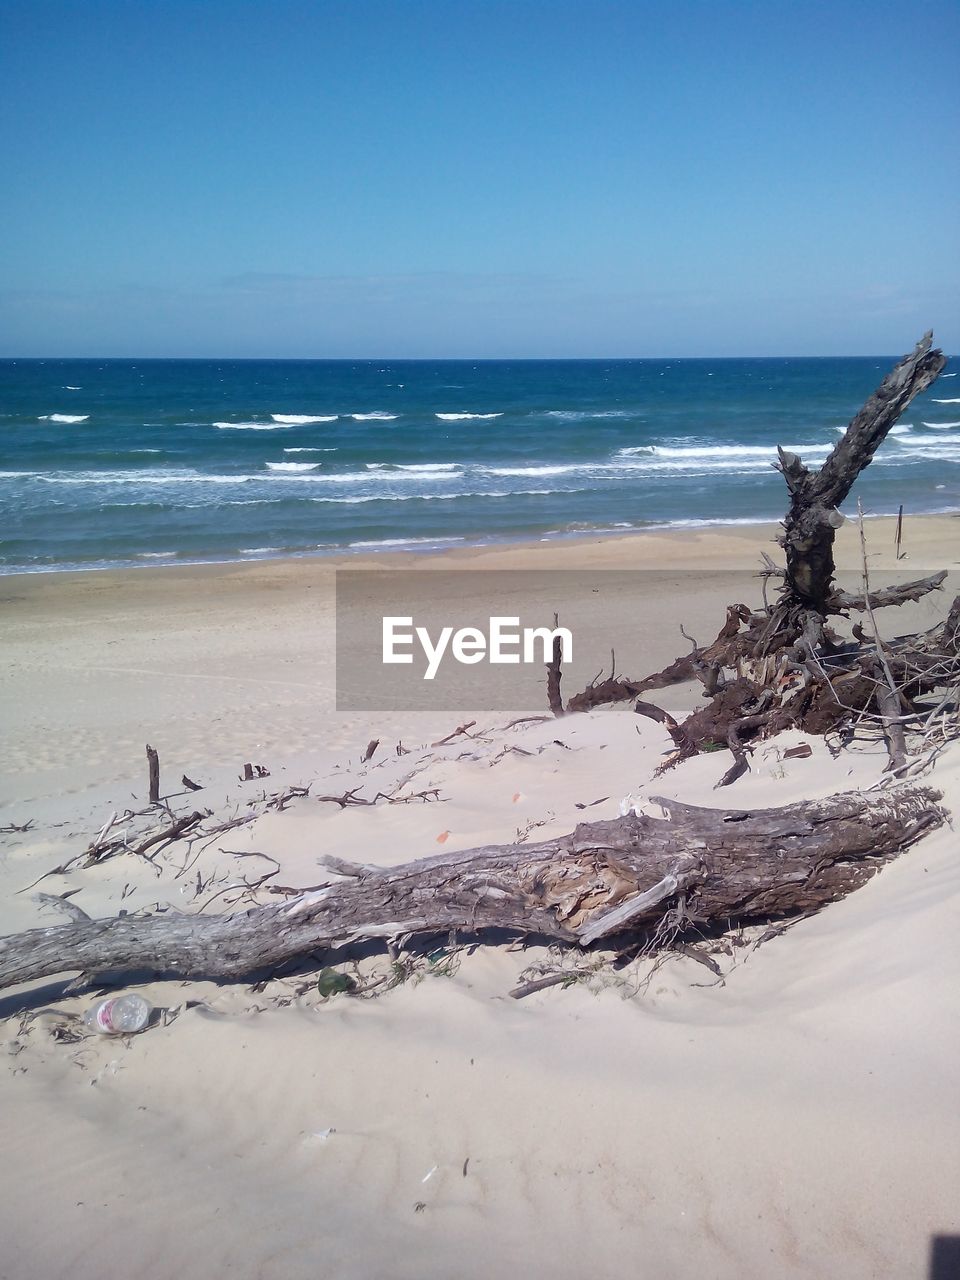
point(739, 865)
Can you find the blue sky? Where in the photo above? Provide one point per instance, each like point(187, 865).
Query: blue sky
point(463, 178)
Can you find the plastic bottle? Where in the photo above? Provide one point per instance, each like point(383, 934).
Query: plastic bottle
point(118, 1016)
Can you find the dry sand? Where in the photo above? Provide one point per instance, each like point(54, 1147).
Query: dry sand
point(798, 1119)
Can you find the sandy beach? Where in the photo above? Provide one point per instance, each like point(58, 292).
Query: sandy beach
point(793, 1116)
point(479, 641)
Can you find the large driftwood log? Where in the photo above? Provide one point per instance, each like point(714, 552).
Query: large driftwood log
point(702, 865)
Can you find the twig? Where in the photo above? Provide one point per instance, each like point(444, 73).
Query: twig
point(458, 732)
point(551, 980)
point(888, 700)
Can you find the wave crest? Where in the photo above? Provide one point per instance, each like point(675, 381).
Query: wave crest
point(292, 466)
point(302, 419)
point(466, 417)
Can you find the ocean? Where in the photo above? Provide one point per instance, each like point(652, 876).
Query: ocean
point(149, 462)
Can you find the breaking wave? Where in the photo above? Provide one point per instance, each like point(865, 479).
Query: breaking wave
point(415, 468)
point(292, 466)
point(302, 419)
point(466, 417)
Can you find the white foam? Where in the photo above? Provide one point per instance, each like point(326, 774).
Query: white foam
point(332, 449)
point(695, 463)
point(956, 401)
point(156, 555)
point(81, 388)
point(437, 497)
point(258, 551)
point(414, 468)
point(949, 443)
point(697, 523)
point(559, 470)
point(579, 415)
point(428, 468)
point(406, 542)
point(735, 450)
point(69, 418)
point(466, 417)
point(144, 478)
point(301, 419)
point(292, 466)
point(941, 426)
point(373, 417)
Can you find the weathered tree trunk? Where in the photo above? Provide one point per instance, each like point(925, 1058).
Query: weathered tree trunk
point(703, 865)
point(813, 518)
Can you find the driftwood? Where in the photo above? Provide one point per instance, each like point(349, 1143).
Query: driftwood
point(692, 868)
point(153, 775)
point(782, 667)
point(555, 674)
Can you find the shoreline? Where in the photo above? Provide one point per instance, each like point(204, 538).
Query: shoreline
point(409, 555)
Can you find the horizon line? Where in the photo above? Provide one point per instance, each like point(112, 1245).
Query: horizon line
point(880, 355)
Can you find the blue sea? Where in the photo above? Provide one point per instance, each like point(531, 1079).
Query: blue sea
point(150, 462)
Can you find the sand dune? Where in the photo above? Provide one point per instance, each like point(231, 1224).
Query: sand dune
point(797, 1119)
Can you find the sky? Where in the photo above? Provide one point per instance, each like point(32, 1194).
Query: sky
point(478, 178)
